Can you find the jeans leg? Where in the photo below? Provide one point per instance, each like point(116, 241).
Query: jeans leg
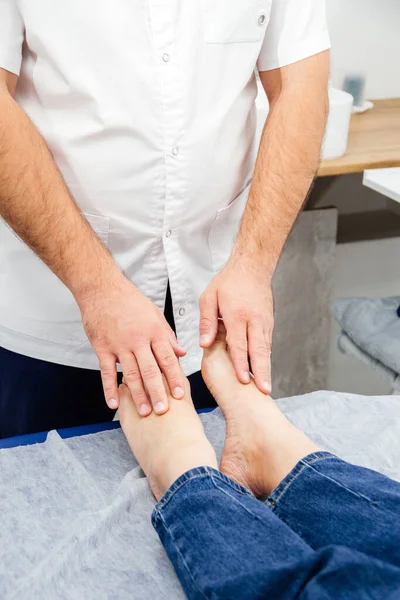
point(223, 543)
point(36, 395)
point(327, 501)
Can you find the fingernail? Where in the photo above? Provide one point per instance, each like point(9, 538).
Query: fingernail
point(267, 386)
point(159, 407)
point(204, 339)
point(246, 377)
point(144, 410)
point(178, 393)
point(112, 403)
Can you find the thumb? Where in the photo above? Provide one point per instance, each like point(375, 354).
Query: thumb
point(208, 318)
point(177, 348)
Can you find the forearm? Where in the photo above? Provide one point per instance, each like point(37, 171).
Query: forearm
point(36, 203)
point(288, 158)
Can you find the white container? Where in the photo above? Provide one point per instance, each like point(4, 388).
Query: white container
point(337, 130)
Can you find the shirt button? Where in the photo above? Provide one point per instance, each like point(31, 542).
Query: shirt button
point(166, 57)
point(181, 312)
point(261, 20)
point(175, 151)
point(168, 233)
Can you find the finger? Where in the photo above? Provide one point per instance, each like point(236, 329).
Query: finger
point(177, 348)
point(208, 318)
point(169, 365)
point(221, 333)
point(260, 356)
point(133, 380)
point(108, 369)
point(152, 380)
point(219, 344)
point(237, 342)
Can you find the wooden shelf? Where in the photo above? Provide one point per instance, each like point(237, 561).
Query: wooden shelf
point(374, 141)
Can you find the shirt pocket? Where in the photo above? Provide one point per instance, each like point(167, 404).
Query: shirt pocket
point(235, 21)
point(225, 228)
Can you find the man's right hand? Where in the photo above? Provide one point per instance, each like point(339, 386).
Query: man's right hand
point(124, 326)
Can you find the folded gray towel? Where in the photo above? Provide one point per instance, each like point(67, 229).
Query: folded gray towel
point(348, 347)
point(373, 325)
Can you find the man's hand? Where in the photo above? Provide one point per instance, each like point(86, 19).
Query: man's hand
point(287, 160)
point(124, 326)
point(121, 323)
point(241, 295)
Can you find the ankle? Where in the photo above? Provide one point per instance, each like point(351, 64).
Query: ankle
point(193, 454)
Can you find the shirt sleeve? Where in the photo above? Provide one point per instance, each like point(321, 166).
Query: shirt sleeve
point(296, 30)
point(11, 36)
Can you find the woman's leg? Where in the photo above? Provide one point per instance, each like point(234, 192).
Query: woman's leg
point(322, 498)
point(328, 501)
point(223, 542)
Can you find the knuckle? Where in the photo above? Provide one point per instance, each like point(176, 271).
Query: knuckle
point(131, 375)
point(262, 351)
point(257, 317)
point(241, 314)
point(107, 372)
point(206, 323)
point(108, 391)
point(158, 338)
point(101, 345)
point(206, 300)
point(139, 341)
point(239, 346)
point(168, 361)
point(150, 371)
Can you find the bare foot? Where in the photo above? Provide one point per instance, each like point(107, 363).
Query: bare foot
point(261, 445)
point(168, 445)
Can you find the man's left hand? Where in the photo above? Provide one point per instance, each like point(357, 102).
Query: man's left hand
point(241, 295)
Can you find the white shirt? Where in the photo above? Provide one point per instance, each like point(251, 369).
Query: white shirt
point(148, 107)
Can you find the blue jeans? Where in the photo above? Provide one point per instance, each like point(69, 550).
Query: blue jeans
point(329, 530)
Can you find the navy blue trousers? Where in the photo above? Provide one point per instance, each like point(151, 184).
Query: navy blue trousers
point(36, 395)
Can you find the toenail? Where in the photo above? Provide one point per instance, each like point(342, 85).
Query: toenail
point(144, 410)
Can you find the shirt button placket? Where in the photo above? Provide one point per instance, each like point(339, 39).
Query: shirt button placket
point(170, 99)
